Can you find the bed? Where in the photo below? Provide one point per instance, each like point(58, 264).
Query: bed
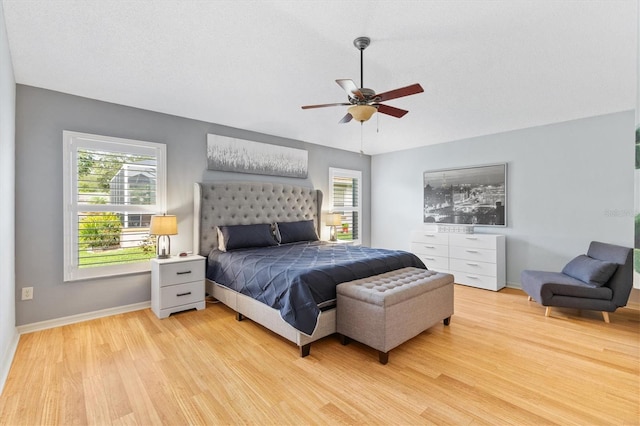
point(288, 288)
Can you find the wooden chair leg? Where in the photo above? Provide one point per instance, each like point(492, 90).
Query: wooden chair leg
point(547, 312)
point(529, 298)
point(605, 315)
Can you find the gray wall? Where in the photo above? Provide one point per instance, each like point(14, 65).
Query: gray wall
point(568, 184)
point(42, 115)
point(8, 333)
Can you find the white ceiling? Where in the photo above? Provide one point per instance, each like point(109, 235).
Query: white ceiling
point(486, 66)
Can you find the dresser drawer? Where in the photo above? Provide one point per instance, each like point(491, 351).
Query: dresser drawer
point(435, 263)
point(430, 249)
point(474, 254)
point(473, 241)
point(181, 272)
point(474, 267)
point(476, 280)
point(419, 236)
point(181, 294)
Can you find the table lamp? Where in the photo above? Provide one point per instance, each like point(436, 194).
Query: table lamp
point(333, 220)
point(163, 226)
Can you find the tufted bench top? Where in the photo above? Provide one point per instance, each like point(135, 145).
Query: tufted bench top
point(394, 287)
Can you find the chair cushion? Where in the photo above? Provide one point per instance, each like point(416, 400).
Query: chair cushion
point(589, 270)
point(543, 285)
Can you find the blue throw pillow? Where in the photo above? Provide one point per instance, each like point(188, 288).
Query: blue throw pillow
point(590, 270)
point(245, 236)
point(293, 232)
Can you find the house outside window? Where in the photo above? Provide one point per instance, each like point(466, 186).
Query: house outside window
point(345, 198)
point(112, 187)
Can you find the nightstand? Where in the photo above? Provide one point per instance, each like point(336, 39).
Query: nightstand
point(177, 284)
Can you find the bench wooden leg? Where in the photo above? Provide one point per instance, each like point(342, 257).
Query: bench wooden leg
point(529, 298)
point(344, 339)
point(446, 321)
point(605, 315)
point(383, 357)
point(547, 312)
point(239, 316)
point(305, 350)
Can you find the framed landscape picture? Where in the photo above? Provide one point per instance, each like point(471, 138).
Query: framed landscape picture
point(466, 196)
point(243, 156)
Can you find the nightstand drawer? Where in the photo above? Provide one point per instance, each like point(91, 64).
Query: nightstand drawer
point(181, 294)
point(181, 272)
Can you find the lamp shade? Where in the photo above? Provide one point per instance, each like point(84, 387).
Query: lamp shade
point(362, 112)
point(164, 225)
point(334, 219)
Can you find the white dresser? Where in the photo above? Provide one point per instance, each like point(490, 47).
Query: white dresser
point(476, 260)
point(177, 284)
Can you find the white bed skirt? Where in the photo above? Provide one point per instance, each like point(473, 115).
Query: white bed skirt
point(269, 317)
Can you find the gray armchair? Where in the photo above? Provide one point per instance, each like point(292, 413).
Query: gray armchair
point(599, 281)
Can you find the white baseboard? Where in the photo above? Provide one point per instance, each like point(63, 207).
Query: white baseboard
point(7, 359)
point(72, 319)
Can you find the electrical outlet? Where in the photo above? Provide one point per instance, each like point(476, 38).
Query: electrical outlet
point(27, 293)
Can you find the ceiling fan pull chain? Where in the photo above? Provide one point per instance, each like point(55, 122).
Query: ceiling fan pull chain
point(361, 138)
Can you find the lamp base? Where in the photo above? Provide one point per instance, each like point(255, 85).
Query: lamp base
point(165, 242)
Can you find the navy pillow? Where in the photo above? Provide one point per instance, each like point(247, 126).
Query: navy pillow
point(292, 232)
point(245, 236)
point(590, 270)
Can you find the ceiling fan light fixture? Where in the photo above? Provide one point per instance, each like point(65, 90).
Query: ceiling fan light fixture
point(362, 113)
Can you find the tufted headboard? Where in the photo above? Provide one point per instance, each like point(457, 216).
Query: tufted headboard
point(246, 203)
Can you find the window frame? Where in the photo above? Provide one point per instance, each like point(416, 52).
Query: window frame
point(350, 174)
point(72, 142)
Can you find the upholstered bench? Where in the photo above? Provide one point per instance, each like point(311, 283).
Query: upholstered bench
point(386, 310)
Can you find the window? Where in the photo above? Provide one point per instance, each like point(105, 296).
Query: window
point(112, 187)
point(346, 199)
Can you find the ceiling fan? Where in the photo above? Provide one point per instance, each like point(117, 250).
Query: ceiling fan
point(365, 102)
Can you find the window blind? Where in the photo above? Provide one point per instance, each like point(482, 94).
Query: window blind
point(114, 187)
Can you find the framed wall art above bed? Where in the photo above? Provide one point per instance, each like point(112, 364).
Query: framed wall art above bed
point(242, 156)
point(466, 196)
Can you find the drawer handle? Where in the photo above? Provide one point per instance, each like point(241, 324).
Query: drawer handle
point(471, 238)
point(429, 258)
point(471, 251)
point(429, 247)
point(472, 264)
point(183, 294)
point(429, 235)
point(183, 273)
point(472, 277)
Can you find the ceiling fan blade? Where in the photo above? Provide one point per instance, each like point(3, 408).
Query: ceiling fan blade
point(350, 87)
point(392, 111)
point(347, 118)
point(398, 93)
point(324, 105)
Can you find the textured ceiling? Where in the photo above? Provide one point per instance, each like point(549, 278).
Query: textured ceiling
point(486, 66)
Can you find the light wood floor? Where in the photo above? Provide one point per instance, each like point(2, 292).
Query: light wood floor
point(499, 362)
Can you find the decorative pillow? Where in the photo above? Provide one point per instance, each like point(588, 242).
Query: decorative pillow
point(291, 232)
point(245, 236)
point(590, 270)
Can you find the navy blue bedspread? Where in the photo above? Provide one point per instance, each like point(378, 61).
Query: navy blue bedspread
point(296, 278)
